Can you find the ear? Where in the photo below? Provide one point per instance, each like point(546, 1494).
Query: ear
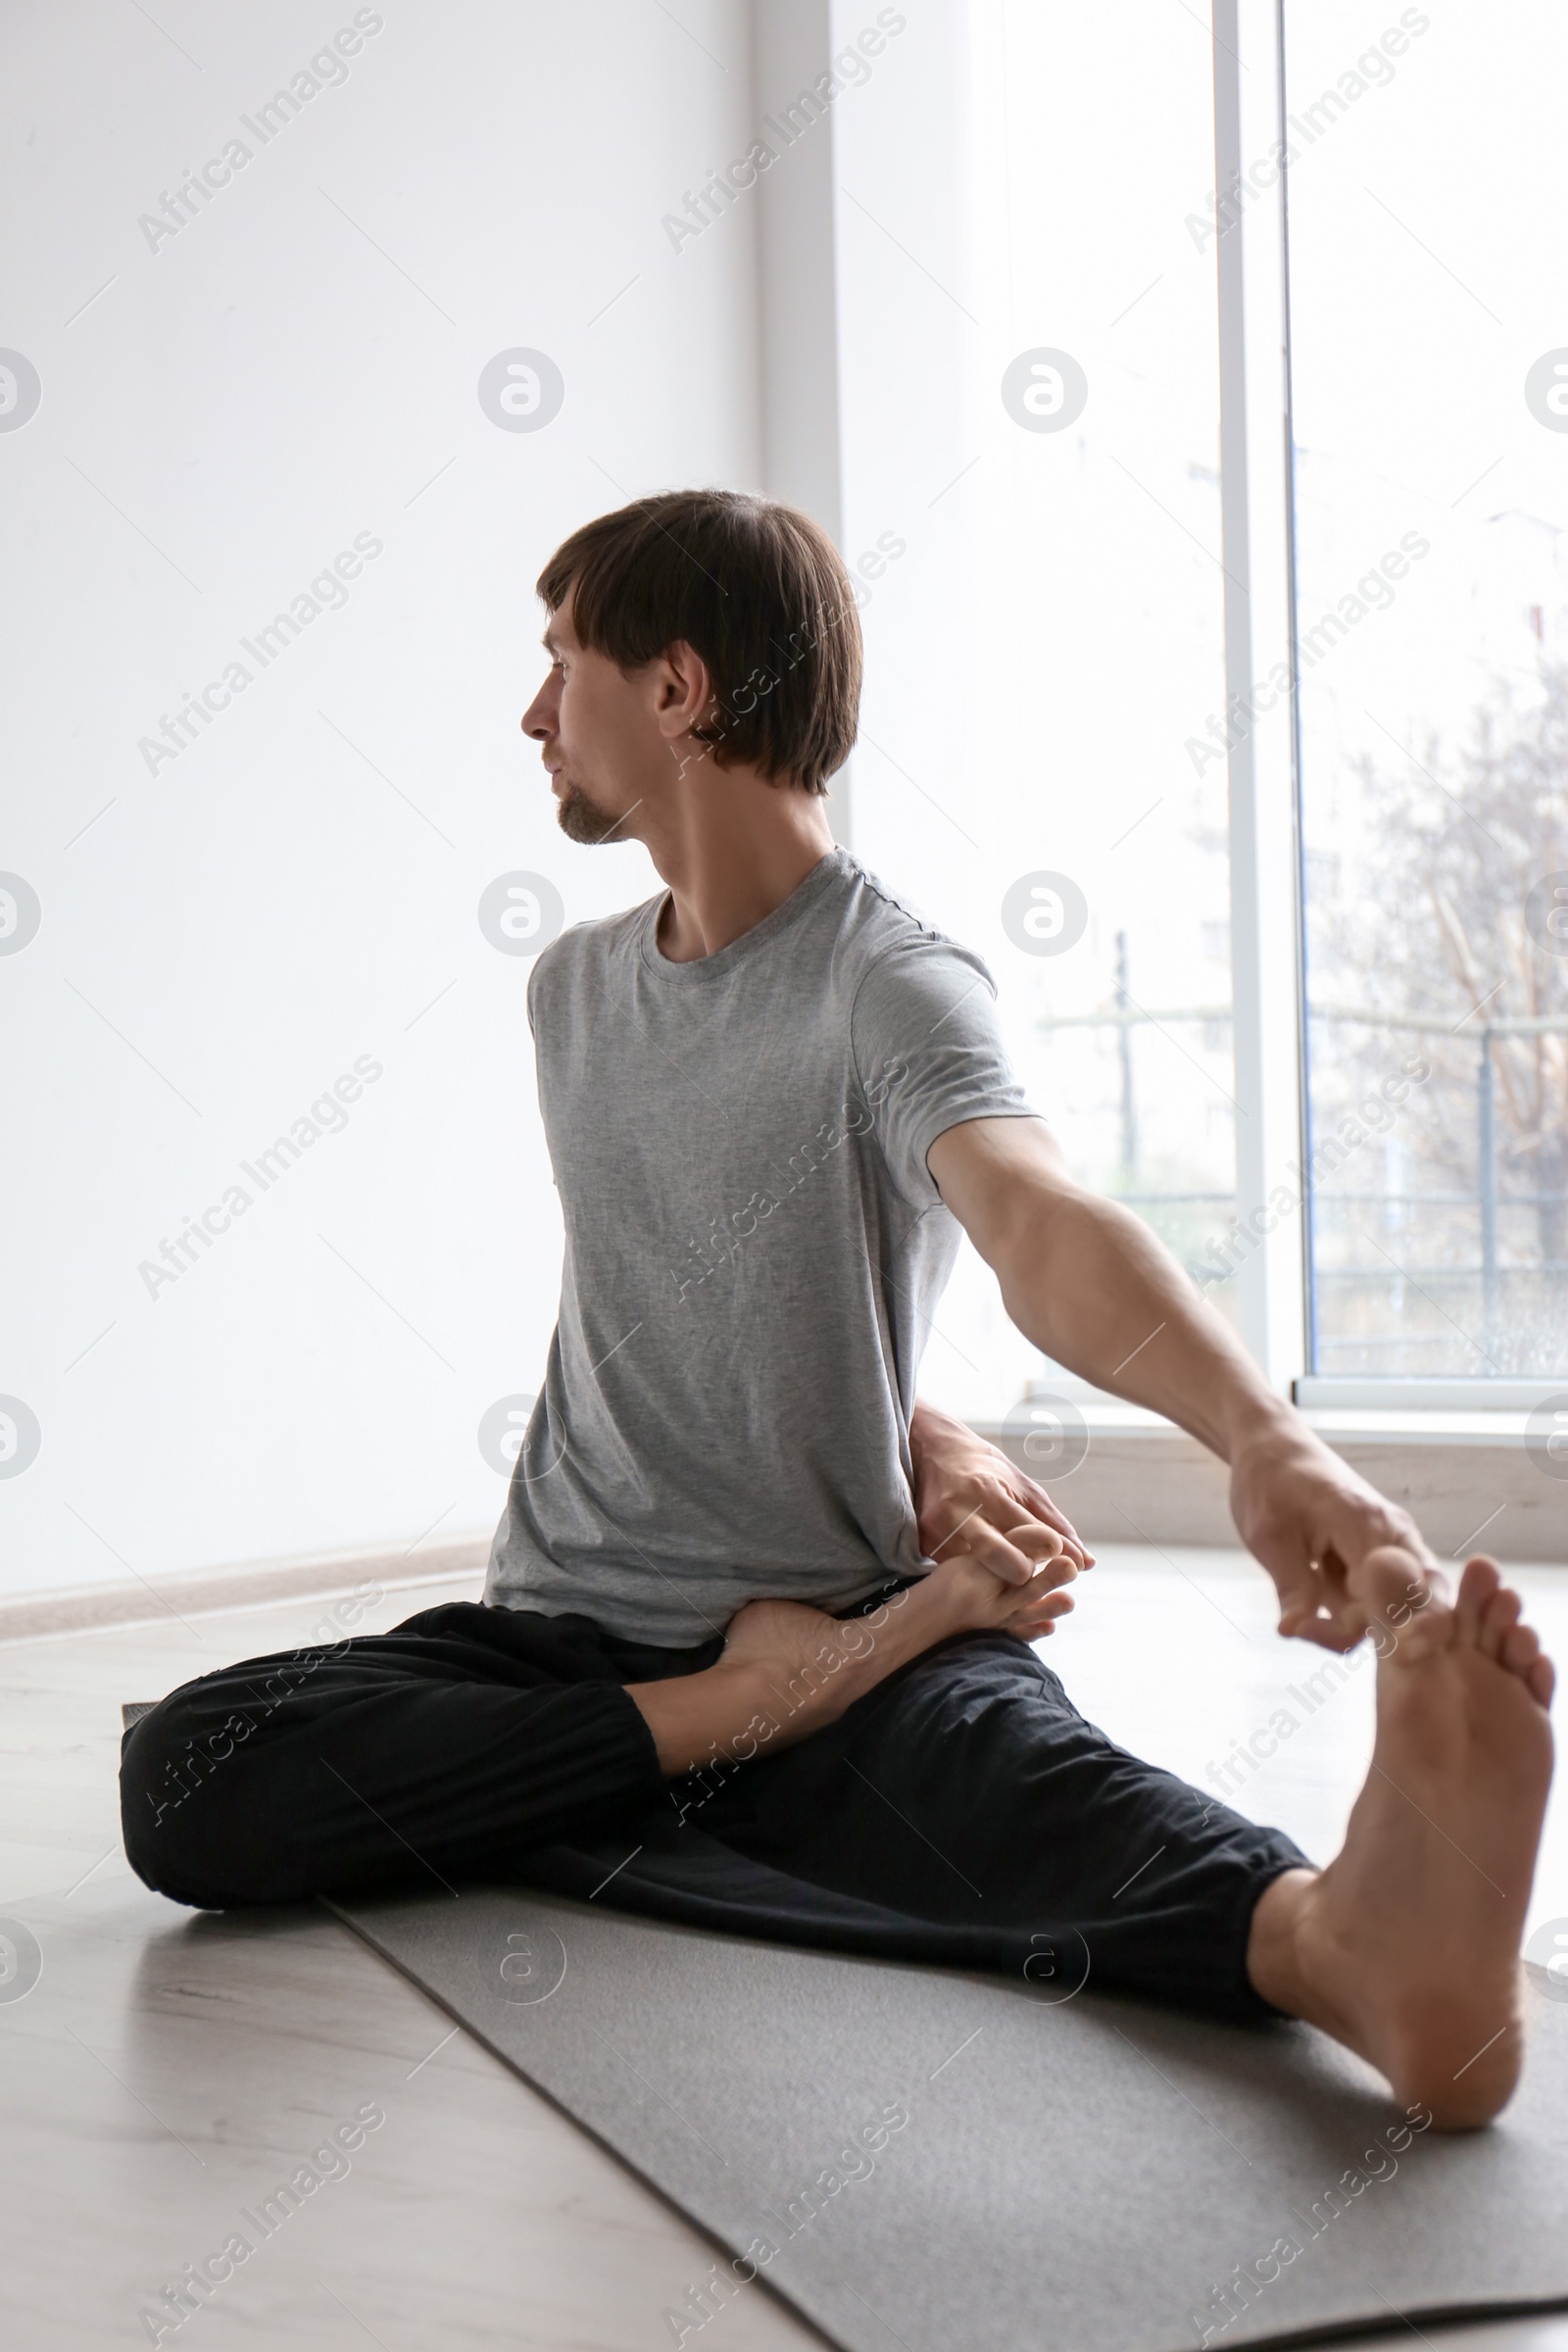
point(683, 690)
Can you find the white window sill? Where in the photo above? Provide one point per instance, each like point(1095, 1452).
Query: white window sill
point(1465, 1476)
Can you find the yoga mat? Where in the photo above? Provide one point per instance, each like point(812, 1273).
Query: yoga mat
point(936, 2158)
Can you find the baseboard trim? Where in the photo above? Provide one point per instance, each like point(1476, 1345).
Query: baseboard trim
point(248, 1583)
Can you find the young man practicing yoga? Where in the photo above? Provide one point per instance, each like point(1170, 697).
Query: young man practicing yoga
point(712, 1631)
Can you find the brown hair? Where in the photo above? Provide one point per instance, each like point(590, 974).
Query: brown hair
point(757, 589)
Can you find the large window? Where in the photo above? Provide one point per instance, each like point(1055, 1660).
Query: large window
point(1030, 327)
point(1430, 384)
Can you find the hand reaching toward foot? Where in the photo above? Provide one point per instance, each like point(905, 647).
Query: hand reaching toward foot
point(1316, 1525)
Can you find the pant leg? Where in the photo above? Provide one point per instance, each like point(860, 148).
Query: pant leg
point(447, 1747)
point(967, 1791)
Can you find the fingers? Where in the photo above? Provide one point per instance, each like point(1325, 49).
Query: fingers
point(1050, 1561)
point(1297, 1609)
point(1040, 1502)
point(1012, 1554)
point(1311, 1611)
point(1333, 1601)
point(1069, 1533)
point(1001, 1554)
point(999, 1504)
point(1326, 1632)
point(1026, 1498)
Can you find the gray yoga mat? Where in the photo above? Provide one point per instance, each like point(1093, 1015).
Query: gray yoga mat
point(937, 2158)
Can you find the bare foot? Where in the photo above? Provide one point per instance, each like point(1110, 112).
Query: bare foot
point(788, 1669)
point(816, 1665)
point(1407, 1947)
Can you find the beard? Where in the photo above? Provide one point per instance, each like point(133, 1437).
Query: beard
point(581, 819)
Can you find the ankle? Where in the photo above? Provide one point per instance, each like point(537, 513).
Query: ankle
point(1275, 1965)
point(724, 1710)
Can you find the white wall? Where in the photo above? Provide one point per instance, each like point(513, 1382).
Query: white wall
point(224, 408)
point(221, 938)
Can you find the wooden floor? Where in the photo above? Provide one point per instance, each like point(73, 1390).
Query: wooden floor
point(168, 2069)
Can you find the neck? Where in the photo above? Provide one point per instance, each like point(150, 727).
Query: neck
point(731, 847)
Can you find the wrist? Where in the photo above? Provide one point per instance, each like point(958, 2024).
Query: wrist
point(1256, 1417)
point(929, 1425)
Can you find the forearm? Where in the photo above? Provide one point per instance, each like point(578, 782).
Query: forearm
point(1106, 1299)
point(1093, 1288)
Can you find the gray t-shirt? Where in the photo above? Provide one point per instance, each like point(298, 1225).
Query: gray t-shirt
point(754, 1248)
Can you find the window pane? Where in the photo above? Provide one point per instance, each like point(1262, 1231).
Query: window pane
point(1429, 389)
point(1029, 354)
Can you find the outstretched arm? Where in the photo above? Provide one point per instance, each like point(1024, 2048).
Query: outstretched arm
point(1093, 1288)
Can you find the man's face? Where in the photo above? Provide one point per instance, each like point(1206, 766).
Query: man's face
point(598, 735)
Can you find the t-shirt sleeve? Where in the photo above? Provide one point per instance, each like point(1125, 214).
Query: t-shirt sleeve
point(928, 1053)
point(544, 975)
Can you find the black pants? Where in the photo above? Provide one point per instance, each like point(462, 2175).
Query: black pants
point(962, 1811)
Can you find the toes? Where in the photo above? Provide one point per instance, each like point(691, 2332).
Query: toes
point(1039, 1616)
point(1519, 1649)
point(1498, 1612)
point(1409, 1614)
point(1477, 1585)
point(1391, 1579)
point(1493, 1621)
point(1502, 1614)
point(1055, 1572)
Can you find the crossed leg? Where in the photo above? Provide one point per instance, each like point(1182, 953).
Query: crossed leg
point(964, 1786)
point(1407, 1947)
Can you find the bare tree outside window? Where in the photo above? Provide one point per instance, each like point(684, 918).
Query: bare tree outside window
point(1457, 1262)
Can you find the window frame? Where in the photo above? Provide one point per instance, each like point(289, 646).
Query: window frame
point(1257, 554)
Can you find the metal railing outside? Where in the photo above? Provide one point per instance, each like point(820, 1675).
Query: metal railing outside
point(1487, 1197)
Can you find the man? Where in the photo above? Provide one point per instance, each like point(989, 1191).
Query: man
point(714, 1631)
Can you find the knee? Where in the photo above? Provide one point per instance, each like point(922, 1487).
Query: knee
point(166, 1761)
